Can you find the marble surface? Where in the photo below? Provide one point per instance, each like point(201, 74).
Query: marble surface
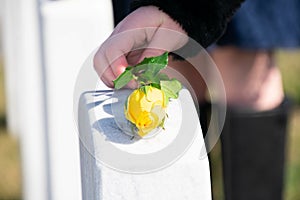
point(164, 166)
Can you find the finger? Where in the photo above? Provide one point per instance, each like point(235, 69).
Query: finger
point(149, 52)
point(119, 65)
point(116, 49)
point(100, 62)
point(132, 84)
point(108, 77)
point(167, 40)
point(106, 63)
point(163, 40)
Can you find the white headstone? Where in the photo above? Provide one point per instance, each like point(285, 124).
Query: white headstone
point(71, 31)
point(45, 44)
point(115, 166)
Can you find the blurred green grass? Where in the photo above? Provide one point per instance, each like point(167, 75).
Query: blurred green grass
point(289, 62)
point(292, 178)
point(10, 172)
point(10, 169)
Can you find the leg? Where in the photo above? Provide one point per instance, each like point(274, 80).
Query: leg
point(253, 138)
point(251, 79)
point(195, 83)
point(189, 76)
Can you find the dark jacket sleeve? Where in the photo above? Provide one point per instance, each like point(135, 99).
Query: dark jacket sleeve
point(203, 20)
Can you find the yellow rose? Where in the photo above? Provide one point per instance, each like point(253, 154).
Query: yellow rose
point(146, 111)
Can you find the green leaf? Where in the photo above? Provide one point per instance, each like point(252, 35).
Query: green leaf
point(171, 88)
point(152, 65)
point(166, 102)
point(155, 85)
point(145, 89)
point(124, 78)
point(160, 60)
point(146, 73)
point(148, 78)
point(162, 124)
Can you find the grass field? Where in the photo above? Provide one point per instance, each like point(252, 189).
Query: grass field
point(289, 62)
point(292, 178)
point(10, 169)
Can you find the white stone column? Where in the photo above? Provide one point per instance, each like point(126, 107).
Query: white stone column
point(45, 44)
point(110, 159)
point(11, 39)
point(71, 31)
point(25, 92)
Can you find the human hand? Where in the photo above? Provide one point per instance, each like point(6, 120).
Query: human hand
point(146, 32)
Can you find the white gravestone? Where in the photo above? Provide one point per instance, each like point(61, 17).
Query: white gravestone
point(45, 44)
point(71, 31)
point(116, 166)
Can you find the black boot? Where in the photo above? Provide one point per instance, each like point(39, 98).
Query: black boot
point(253, 153)
point(205, 113)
